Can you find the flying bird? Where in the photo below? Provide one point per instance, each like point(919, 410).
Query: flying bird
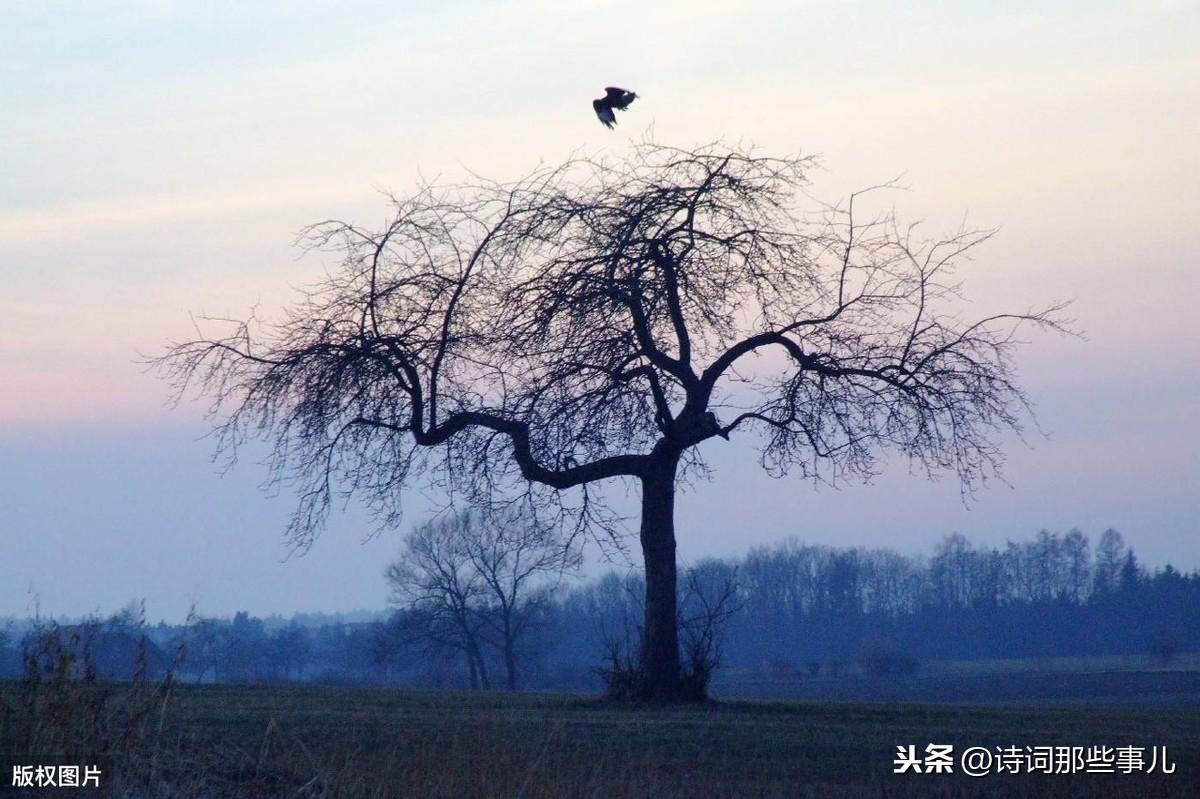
point(613, 98)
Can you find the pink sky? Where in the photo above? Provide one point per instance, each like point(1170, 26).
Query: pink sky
point(159, 161)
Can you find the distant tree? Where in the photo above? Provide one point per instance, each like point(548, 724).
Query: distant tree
point(1046, 558)
point(991, 590)
point(437, 591)
point(201, 639)
point(603, 320)
point(243, 656)
point(1034, 567)
point(710, 597)
point(334, 653)
point(474, 577)
point(289, 649)
point(1130, 576)
point(10, 662)
point(1077, 557)
point(952, 572)
point(838, 586)
point(1110, 555)
point(892, 585)
point(613, 607)
point(518, 563)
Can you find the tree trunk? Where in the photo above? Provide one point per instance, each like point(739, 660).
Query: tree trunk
point(510, 654)
point(660, 633)
point(471, 668)
point(480, 666)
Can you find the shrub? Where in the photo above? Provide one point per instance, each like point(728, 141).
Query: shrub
point(1164, 648)
point(883, 658)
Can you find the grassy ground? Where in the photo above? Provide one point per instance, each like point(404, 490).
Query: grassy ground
point(1183, 661)
point(1129, 680)
point(225, 741)
point(1159, 688)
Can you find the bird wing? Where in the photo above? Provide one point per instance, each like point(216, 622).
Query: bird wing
point(614, 92)
point(604, 113)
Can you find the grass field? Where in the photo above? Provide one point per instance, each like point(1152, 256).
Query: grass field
point(1100, 681)
point(1165, 689)
point(225, 741)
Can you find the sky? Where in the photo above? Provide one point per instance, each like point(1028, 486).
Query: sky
point(158, 158)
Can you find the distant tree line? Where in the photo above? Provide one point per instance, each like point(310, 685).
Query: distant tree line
point(794, 608)
point(1051, 596)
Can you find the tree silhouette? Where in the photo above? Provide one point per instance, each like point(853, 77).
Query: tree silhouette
point(600, 320)
point(468, 578)
point(435, 582)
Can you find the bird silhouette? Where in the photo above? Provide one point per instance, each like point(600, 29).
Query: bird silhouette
point(614, 98)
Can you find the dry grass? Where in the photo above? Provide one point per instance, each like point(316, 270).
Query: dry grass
point(225, 741)
point(159, 739)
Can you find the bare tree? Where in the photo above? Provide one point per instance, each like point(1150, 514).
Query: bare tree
point(288, 651)
point(1110, 554)
point(475, 577)
point(600, 320)
point(436, 584)
point(518, 562)
point(1078, 565)
point(202, 642)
